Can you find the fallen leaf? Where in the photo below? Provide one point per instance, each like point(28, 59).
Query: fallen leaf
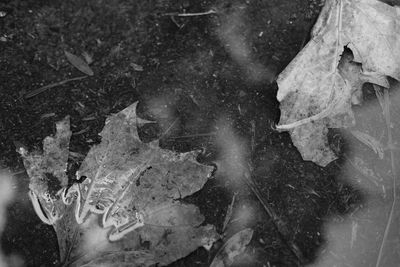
point(79, 63)
point(352, 42)
point(126, 209)
point(232, 248)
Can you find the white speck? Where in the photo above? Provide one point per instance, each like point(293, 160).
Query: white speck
point(136, 67)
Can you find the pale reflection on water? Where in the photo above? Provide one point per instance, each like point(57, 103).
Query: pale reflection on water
point(6, 195)
point(356, 239)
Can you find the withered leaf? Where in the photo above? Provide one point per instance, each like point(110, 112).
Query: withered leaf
point(317, 89)
point(128, 208)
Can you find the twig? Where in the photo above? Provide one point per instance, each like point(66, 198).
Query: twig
point(49, 86)
point(211, 11)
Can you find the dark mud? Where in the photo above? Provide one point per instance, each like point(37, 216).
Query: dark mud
point(203, 68)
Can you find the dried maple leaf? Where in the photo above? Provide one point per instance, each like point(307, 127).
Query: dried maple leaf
point(318, 88)
point(126, 211)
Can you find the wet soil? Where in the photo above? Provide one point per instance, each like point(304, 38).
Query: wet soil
point(143, 51)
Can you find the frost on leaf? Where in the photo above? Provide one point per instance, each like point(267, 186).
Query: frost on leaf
point(47, 172)
point(127, 210)
point(352, 43)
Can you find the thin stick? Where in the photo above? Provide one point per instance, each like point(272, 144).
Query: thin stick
point(169, 128)
point(46, 87)
point(191, 14)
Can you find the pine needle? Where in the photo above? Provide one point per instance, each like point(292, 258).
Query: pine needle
point(49, 86)
point(211, 11)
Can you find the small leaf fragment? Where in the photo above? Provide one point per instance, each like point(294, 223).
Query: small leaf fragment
point(235, 246)
point(79, 63)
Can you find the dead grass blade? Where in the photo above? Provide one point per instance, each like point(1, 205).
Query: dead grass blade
point(385, 104)
point(369, 141)
point(49, 86)
point(229, 213)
